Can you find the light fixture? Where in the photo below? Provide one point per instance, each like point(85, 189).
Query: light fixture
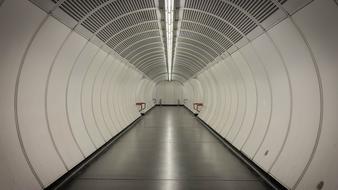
point(169, 25)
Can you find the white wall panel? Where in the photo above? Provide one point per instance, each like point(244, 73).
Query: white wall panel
point(226, 96)
point(278, 120)
point(130, 90)
point(115, 96)
point(110, 98)
point(134, 82)
point(207, 105)
point(98, 133)
point(305, 105)
point(120, 96)
point(250, 96)
point(104, 96)
point(222, 97)
point(263, 99)
point(43, 154)
point(318, 24)
point(238, 100)
point(241, 101)
point(56, 98)
point(232, 98)
point(127, 98)
point(19, 21)
point(116, 90)
point(82, 132)
point(96, 97)
point(211, 85)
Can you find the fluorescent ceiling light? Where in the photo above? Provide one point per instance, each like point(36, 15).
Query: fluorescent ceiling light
point(169, 20)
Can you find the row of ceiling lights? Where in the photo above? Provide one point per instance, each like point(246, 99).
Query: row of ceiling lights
point(169, 17)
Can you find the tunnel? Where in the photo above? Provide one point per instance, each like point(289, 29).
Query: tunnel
point(169, 94)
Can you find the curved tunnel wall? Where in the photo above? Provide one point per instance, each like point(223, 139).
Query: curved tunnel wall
point(61, 97)
point(275, 99)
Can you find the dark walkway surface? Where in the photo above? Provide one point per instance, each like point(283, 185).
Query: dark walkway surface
point(167, 150)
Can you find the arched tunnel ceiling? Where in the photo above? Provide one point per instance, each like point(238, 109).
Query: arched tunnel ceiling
point(135, 29)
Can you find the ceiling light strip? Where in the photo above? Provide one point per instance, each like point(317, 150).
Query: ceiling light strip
point(169, 25)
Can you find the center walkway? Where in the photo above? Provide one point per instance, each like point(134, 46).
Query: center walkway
point(167, 150)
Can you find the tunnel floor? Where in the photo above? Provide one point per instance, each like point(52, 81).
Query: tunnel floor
point(167, 149)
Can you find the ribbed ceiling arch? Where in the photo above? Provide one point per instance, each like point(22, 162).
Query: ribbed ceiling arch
point(218, 26)
point(131, 28)
point(203, 30)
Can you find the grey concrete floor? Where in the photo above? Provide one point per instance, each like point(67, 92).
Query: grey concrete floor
point(168, 149)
